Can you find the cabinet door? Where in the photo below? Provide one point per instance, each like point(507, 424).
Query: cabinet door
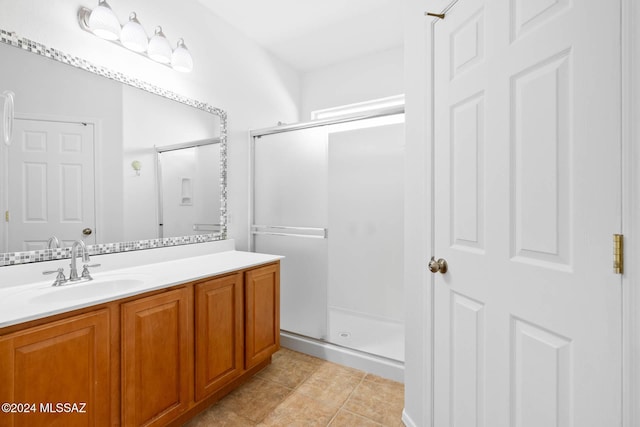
point(219, 332)
point(62, 362)
point(262, 313)
point(156, 358)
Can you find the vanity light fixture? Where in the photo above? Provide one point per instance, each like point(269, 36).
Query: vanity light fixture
point(102, 22)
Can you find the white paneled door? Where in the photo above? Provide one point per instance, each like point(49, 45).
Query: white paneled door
point(527, 198)
point(51, 176)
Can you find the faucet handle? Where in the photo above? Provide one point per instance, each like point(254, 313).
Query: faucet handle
point(85, 271)
point(60, 278)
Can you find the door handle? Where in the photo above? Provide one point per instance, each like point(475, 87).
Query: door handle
point(87, 231)
point(438, 266)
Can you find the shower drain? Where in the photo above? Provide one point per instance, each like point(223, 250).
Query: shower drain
point(344, 334)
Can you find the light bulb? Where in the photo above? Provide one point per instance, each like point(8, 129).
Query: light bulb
point(103, 22)
point(159, 49)
point(133, 36)
point(181, 59)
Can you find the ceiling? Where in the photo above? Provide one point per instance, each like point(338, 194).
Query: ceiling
point(310, 34)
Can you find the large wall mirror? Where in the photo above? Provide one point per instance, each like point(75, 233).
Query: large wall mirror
point(87, 154)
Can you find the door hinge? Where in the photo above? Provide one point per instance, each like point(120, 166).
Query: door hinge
point(6, 216)
point(618, 253)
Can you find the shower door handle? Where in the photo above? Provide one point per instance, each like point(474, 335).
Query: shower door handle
point(438, 266)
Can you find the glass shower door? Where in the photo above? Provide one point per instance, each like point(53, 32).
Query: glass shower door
point(330, 199)
point(290, 219)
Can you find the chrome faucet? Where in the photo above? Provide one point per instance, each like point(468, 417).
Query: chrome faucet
point(53, 243)
point(73, 274)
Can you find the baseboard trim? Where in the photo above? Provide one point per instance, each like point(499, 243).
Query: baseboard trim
point(406, 419)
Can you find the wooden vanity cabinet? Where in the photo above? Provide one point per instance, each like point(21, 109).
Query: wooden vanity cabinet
point(65, 361)
point(151, 360)
point(231, 321)
point(157, 357)
point(262, 313)
point(219, 333)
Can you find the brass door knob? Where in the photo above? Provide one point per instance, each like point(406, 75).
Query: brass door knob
point(87, 231)
point(438, 266)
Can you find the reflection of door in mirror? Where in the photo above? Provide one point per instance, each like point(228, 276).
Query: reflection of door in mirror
point(50, 166)
point(188, 197)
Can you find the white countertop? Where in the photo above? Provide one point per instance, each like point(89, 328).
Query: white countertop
point(32, 301)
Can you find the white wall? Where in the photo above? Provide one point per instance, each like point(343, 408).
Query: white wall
point(230, 72)
point(378, 75)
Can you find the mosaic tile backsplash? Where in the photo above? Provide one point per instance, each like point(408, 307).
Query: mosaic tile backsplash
point(14, 258)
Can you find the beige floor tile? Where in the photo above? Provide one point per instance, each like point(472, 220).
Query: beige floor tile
point(383, 413)
point(347, 419)
point(219, 416)
point(380, 380)
point(383, 389)
point(299, 410)
point(255, 399)
point(291, 354)
point(330, 389)
point(379, 400)
point(290, 368)
point(329, 369)
point(301, 390)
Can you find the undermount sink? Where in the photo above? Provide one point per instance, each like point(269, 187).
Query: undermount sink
point(93, 288)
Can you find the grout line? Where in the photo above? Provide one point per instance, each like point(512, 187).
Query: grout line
point(290, 390)
point(346, 400)
point(285, 397)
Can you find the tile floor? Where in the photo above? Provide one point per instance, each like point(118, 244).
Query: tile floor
point(300, 390)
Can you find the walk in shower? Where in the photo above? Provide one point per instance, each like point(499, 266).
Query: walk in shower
point(329, 196)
